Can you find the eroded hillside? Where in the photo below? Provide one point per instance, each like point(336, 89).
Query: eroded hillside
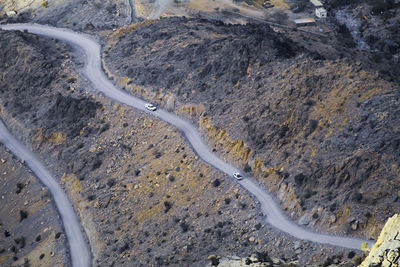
point(30, 227)
point(321, 134)
point(141, 193)
point(76, 14)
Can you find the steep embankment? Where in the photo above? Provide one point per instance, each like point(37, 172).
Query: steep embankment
point(30, 227)
point(320, 134)
point(138, 204)
point(75, 14)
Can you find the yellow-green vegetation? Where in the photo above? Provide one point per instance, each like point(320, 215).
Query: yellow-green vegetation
point(45, 4)
point(236, 149)
point(72, 182)
point(336, 108)
point(57, 138)
point(127, 29)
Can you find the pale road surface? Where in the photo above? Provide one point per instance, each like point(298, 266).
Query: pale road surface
point(93, 71)
point(79, 249)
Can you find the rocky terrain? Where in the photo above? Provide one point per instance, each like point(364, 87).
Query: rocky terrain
point(386, 251)
point(30, 227)
point(138, 204)
point(320, 133)
point(75, 14)
point(311, 118)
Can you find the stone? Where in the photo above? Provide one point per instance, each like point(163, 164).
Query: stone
point(297, 245)
point(393, 255)
point(305, 219)
point(212, 256)
point(354, 225)
point(253, 258)
point(386, 250)
point(252, 239)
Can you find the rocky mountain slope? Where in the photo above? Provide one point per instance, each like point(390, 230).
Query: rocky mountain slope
point(320, 133)
point(30, 227)
point(75, 14)
point(138, 204)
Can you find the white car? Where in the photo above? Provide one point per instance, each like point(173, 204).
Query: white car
point(150, 107)
point(238, 176)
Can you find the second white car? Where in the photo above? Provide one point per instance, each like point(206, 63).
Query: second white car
point(150, 107)
point(238, 176)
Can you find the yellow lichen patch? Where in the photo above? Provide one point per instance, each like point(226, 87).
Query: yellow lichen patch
point(236, 149)
point(370, 93)
point(58, 138)
point(39, 135)
point(4, 258)
point(313, 154)
point(46, 247)
point(72, 182)
point(288, 198)
point(218, 35)
point(258, 166)
point(127, 29)
point(123, 81)
point(343, 215)
point(192, 110)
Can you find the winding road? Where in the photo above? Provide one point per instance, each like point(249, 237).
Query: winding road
point(93, 71)
point(80, 252)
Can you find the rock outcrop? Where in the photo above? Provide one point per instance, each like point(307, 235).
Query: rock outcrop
point(386, 251)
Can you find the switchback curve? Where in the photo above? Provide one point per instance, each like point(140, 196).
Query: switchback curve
point(94, 72)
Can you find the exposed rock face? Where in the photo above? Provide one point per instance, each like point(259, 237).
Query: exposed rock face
point(386, 251)
point(321, 134)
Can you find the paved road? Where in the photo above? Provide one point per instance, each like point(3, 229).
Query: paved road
point(80, 252)
point(94, 73)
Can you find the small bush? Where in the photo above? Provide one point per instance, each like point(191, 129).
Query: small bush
point(184, 226)
point(111, 182)
point(23, 215)
point(96, 164)
point(216, 183)
point(167, 206)
point(45, 4)
point(19, 188)
point(71, 80)
point(247, 168)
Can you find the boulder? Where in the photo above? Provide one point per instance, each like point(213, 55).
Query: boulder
point(386, 251)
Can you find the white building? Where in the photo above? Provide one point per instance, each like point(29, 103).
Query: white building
point(316, 3)
point(321, 12)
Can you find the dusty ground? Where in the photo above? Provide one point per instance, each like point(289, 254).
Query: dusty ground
point(141, 193)
point(30, 227)
point(320, 133)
